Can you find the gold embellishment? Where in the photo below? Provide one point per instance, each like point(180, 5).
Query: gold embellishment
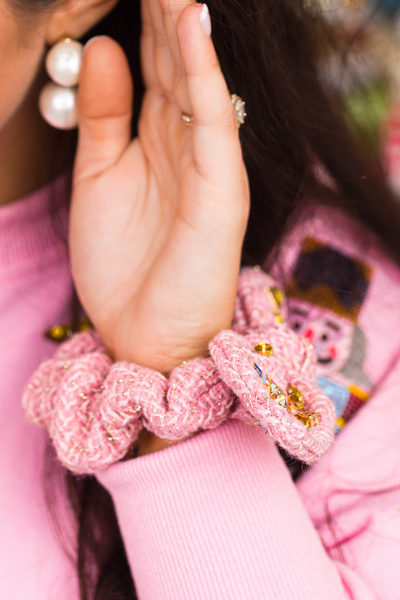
point(340, 422)
point(239, 105)
point(303, 418)
point(314, 419)
point(295, 400)
point(264, 349)
point(274, 392)
point(57, 333)
point(308, 419)
point(275, 297)
point(292, 402)
point(187, 119)
point(60, 333)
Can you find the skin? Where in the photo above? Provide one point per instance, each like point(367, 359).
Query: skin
point(157, 223)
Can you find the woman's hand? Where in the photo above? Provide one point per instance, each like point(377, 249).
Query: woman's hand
point(157, 223)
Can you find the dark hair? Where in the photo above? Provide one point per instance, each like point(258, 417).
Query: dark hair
point(270, 55)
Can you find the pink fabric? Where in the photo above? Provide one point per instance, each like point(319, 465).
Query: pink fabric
point(94, 409)
point(238, 531)
point(358, 487)
point(35, 287)
point(216, 516)
point(292, 363)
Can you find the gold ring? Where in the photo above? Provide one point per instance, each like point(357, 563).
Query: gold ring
point(187, 119)
point(238, 104)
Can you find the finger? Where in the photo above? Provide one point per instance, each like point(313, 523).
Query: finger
point(105, 107)
point(215, 135)
point(163, 62)
point(171, 11)
point(150, 77)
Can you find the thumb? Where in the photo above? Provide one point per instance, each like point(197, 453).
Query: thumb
point(105, 107)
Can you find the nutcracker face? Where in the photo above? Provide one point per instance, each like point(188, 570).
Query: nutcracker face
point(325, 294)
point(330, 334)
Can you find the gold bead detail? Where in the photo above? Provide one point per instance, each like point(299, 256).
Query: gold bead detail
point(340, 422)
point(308, 419)
point(264, 349)
point(58, 333)
point(295, 398)
point(304, 418)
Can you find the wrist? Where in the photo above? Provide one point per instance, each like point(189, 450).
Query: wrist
point(165, 356)
point(160, 341)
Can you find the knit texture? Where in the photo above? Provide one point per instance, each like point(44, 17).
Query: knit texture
point(94, 409)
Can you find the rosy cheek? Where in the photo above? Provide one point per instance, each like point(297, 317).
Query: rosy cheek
point(332, 352)
point(309, 334)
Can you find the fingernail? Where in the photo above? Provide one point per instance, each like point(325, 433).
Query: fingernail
point(205, 20)
point(96, 37)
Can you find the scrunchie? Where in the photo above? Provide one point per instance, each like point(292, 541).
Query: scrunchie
point(260, 372)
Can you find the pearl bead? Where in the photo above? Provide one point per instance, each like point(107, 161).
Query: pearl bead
point(58, 106)
point(63, 62)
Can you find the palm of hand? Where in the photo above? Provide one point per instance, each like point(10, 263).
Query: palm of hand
point(157, 223)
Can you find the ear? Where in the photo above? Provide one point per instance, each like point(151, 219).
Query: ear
point(74, 18)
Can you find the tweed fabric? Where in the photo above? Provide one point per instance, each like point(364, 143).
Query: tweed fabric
point(94, 409)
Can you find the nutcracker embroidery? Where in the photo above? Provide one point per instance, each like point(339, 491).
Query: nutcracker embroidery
point(325, 294)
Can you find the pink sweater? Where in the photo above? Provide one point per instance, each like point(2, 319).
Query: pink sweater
point(218, 516)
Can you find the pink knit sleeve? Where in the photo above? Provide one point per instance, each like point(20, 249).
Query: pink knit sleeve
point(218, 516)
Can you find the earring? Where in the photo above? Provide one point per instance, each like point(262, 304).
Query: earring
point(58, 98)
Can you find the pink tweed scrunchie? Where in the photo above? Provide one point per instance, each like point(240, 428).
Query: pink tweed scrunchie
point(94, 408)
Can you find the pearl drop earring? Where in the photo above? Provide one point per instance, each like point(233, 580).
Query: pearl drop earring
point(58, 98)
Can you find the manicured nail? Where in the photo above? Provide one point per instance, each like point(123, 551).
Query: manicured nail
point(96, 37)
point(205, 20)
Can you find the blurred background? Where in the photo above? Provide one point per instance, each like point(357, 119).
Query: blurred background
point(367, 72)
